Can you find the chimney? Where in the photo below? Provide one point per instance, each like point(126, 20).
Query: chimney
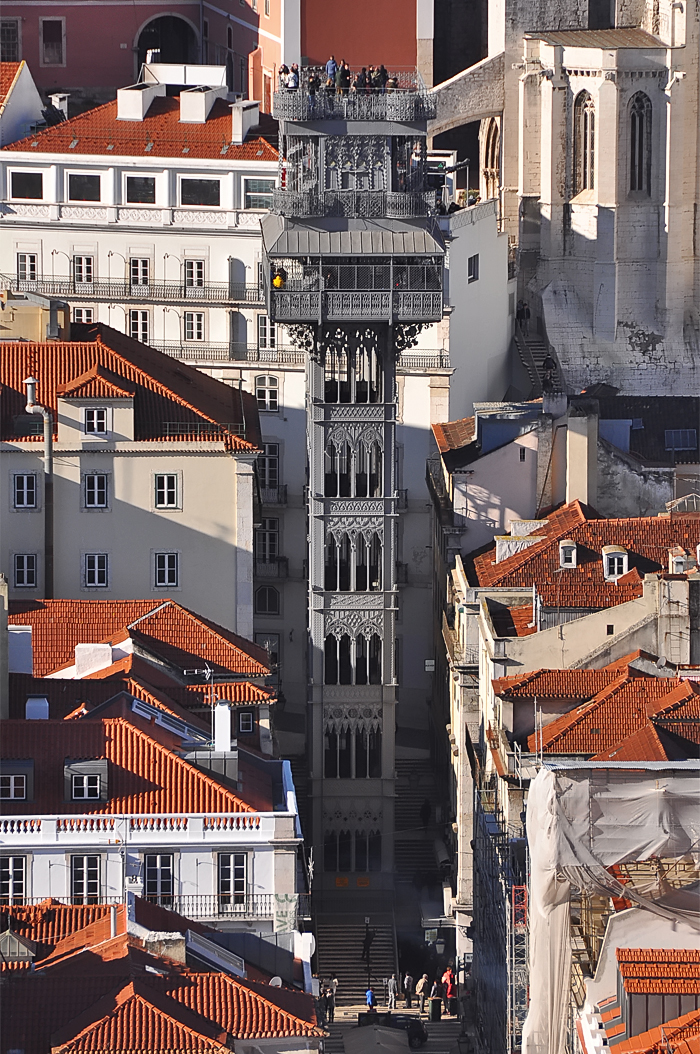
point(60, 101)
point(222, 728)
point(133, 102)
point(582, 451)
point(113, 920)
point(195, 103)
point(36, 708)
point(89, 658)
point(244, 115)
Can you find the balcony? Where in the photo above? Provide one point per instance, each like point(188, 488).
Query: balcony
point(195, 906)
point(205, 351)
point(274, 495)
point(353, 305)
point(134, 217)
point(125, 292)
point(458, 654)
point(274, 567)
point(362, 204)
point(408, 102)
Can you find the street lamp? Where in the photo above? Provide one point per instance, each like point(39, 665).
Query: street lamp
point(110, 254)
point(60, 252)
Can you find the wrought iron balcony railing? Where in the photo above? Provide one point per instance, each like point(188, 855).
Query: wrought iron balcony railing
point(206, 351)
point(354, 305)
point(122, 291)
point(274, 495)
point(363, 204)
point(275, 567)
point(395, 104)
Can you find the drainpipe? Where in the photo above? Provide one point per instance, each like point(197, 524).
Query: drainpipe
point(33, 407)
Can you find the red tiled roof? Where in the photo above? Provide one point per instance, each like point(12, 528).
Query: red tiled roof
point(165, 390)
point(96, 130)
point(97, 383)
point(172, 631)
point(547, 684)
point(144, 775)
point(234, 691)
point(50, 922)
point(660, 970)
point(647, 540)
point(9, 71)
point(679, 1036)
point(644, 745)
point(453, 435)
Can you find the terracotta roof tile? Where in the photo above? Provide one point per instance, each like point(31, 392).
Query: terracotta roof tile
point(171, 631)
point(96, 130)
point(50, 922)
point(165, 390)
point(97, 382)
point(678, 1036)
point(647, 540)
point(144, 775)
point(453, 435)
point(9, 72)
point(567, 684)
point(643, 745)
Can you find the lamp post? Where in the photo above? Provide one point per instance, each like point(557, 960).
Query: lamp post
point(60, 252)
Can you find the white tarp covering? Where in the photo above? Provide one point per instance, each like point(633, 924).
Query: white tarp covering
point(581, 819)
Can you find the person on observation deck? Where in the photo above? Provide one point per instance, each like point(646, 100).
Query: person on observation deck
point(331, 70)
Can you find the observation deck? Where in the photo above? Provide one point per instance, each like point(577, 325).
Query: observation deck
point(403, 98)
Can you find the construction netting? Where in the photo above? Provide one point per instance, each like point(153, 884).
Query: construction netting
point(581, 820)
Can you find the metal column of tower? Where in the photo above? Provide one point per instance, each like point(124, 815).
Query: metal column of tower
point(354, 266)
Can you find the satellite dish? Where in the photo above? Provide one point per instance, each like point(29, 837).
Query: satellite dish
point(661, 662)
point(275, 982)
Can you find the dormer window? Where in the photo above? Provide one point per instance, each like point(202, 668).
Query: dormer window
point(96, 421)
point(615, 562)
point(85, 780)
point(679, 560)
point(567, 553)
point(86, 787)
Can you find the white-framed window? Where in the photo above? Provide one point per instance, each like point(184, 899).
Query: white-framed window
point(26, 267)
point(52, 41)
point(267, 332)
point(96, 421)
point(267, 601)
point(27, 186)
point(85, 315)
point(615, 563)
point(267, 393)
point(245, 722)
point(96, 490)
point(194, 273)
point(194, 325)
point(681, 438)
point(85, 787)
point(139, 325)
point(167, 570)
point(140, 190)
point(25, 570)
point(83, 270)
point(199, 191)
point(10, 40)
point(158, 878)
point(567, 554)
point(166, 490)
point(267, 540)
point(84, 186)
point(269, 466)
point(139, 270)
point(13, 879)
point(25, 490)
point(13, 787)
point(473, 268)
point(257, 193)
point(97, 570)
point(85, 879)
point(232, 878)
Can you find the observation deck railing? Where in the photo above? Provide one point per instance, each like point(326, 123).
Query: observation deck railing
point(402, 97)
point(363, 204)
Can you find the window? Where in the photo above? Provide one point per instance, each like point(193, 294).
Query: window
point(258, 193)
point(229, 38)
point(85, 315)
point(522, 453)
point(266, 393)
point(82, 269)
point(567, 554)
point(138, 326)
point(352, 753)
point(14, 787)
point(194, 273)
point(25, 570)
point(83, 188)
point(27, 185)
point(86, 787)
point(267, 601)
point(166, 490)
point(25, 490)
point(352, 851)
point(267, 332)
point(141, 190)
point(268, 466)
point(200, 192)
point(9, 40)
point(158, 884)
point(681, 439)
point(473, 268)
point(166, 569)
point(97, 570)
point(194, 325)
point(96, 491)
point(96, 421)
point(139, 270)
point(267, 8)
point(12, 879)
point(584, 143)
point(615, 562)
point(640, 143)
point(26, 267)
point(52, 41)
point(245, 722)
point(267, 538)
point(232, 878)
point(610, 630)
point(85, 879)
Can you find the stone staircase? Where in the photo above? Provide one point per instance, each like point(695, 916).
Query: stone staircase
point(533, 350)
point(442, 1035)
point(339, 950)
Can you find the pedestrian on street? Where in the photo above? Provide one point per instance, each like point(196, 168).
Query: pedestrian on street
point(367, 944)
point(526, 319)
point(392, 989)
point(371, 1001)
point(330, 1005)
point(408, 989)
point(422, 992)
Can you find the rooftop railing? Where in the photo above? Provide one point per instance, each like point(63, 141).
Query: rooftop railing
point(401, 97)
point(361, 204)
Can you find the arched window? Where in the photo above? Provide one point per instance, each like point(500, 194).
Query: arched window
point(584, 143)
point(492, 160)
point(356, 660)
point(267, 601)
point(640, 142)
point(267, 393)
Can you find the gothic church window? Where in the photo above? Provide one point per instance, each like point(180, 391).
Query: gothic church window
point(492, 155)
point(584, 142)
point(640, 143)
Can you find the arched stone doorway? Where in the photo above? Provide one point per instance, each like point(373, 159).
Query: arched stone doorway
point(172, 36)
